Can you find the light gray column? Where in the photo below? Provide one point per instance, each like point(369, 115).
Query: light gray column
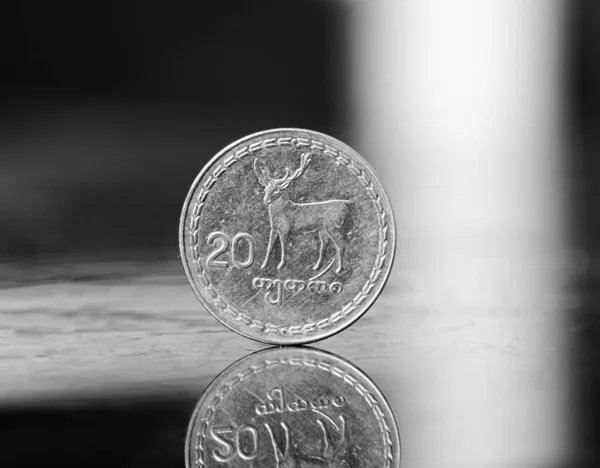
point(457, 105)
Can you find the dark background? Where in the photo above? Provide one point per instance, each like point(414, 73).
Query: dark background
point(583, 92)
point(108, 111)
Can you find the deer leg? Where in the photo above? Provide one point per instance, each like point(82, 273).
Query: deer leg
point(343, 427)
point(343, 436)
point(322, 246)
point(340, 254)
point(338, 243)
point(326, 449)
point(277, 451)
point(269, 248)
point(287, 438)
point(283, 236)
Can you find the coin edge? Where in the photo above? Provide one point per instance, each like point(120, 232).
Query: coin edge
point(290, 339)
point(221, 377)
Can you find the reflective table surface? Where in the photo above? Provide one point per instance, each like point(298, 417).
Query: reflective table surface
point(106, 361)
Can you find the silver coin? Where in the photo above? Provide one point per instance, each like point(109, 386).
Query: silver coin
point(291, 408)
point(287, 236)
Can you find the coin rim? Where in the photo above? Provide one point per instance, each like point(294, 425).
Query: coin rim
point(290, 339)
point(216, 382)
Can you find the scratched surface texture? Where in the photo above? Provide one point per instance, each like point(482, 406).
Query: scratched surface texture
point(287, 236)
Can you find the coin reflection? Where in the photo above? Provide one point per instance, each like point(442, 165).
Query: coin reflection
point(292, 408)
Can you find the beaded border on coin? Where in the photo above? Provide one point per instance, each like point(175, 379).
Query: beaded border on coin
point(341, 159)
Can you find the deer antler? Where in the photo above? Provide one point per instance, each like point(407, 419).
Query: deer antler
point(260, 173)
point(288, 179)
point(264, 176)
point(279, 455)
point(285, 177)
point(343, 435)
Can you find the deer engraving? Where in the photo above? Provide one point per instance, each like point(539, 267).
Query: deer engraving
point(324, 217)
point(332, 456)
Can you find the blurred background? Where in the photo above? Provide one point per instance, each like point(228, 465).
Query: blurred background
point(482, 118)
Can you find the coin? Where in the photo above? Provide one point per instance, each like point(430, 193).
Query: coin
point(291, 408)
point(287, 236)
